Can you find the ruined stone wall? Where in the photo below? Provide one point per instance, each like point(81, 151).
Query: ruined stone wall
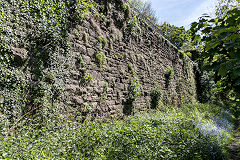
point(104, 57)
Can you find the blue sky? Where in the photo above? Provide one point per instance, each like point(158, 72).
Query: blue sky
point(181, 12)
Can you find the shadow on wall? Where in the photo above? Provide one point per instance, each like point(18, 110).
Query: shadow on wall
point(127, 107)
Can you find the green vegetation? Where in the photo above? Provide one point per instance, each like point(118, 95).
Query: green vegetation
point(135, 88)
point(143, 10)
point(192, 132)
point(169, 73)
point(33, 37)
point(220, 36)
point(85, 37)
point(176, 35)
point(101, 57)
point(87, 78)
point(104, 93)
point(133, 26)
point(225, 5)
point(156, 96)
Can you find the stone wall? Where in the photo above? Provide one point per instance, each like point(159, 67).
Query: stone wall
point(105, 55)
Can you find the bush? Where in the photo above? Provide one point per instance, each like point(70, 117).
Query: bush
point(156, 96)
point(169, 73)
point(135, 88)
point(192, 132)
point(101, 57)
point(144, 11)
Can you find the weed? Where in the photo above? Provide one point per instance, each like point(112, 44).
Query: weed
point(102, 60)
point(130, 68)
point(102, 40)
point(87, 78)
point(133, 26)
point(169, 74)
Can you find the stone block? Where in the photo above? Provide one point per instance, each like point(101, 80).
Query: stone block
point(90, 52)
point(81, 49)
point(86, 58)
point(78, 100)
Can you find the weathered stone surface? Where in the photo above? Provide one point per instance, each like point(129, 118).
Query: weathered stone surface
point(78, 100)
point(105, 87)
point(90, 52)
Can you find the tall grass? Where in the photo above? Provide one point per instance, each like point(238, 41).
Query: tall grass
point(192, 132)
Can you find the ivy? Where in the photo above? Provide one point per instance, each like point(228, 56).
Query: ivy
point(33, 35)
point(135, 88)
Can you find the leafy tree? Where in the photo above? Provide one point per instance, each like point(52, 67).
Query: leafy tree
point(176, 35)
point(221, 39)
point(144, 11)
point(225, 5)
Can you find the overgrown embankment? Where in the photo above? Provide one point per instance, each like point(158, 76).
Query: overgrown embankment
point(192, 132)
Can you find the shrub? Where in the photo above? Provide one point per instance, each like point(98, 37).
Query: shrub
point(156, 96)
point(101, 57)
point(133, 26)
point(169, 73)
point(135, 88)
point(144, 11)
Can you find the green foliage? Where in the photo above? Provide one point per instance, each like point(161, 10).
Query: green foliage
point(82, 65)
point(101, 57)
point(193, 132)
point(130, 67)
point(133, 26)
point(135, 88)
point(221, 44)
point(156, 96)
point(169, 73)
point(225, 5)
point(102, 40)
point(84, 8)
point(144, 11)
point(87, 78)
point(176, 35)
point(104, 93)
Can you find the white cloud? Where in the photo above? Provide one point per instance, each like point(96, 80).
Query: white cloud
point(206, 6)
point(181, 12)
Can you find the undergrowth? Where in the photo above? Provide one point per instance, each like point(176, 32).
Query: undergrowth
point(191, 132)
